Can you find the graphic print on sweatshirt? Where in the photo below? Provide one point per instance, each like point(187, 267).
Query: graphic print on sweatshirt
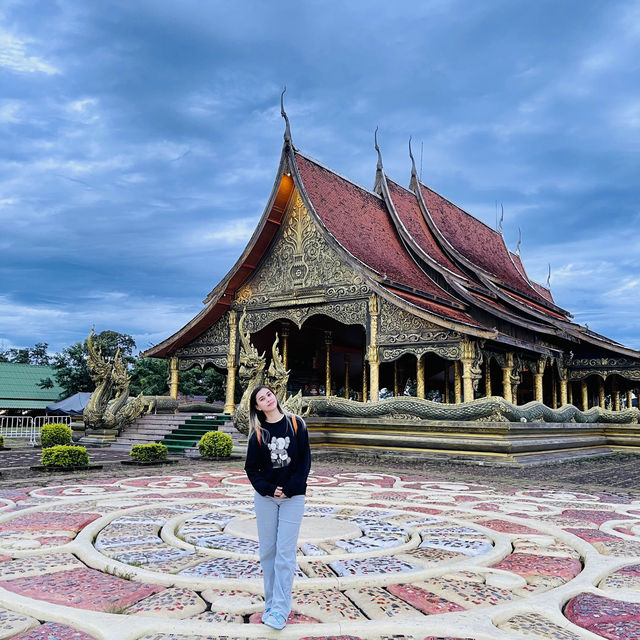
point(279, 449)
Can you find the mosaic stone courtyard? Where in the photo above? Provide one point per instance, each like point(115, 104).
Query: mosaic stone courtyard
point(381, 556)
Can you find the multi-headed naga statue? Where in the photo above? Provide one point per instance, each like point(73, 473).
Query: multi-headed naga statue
point(251, 373)
point(110, 406)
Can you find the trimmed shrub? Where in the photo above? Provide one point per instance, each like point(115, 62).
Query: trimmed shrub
point(61, 455)
point(215, 444)
point(53, 434)
point(153, 452)
point(1, 442)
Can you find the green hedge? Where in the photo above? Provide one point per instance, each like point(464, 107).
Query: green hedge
point(53, 434)
point(61, 455)
point(1, 441)
point(153, 452)
point(215, 444)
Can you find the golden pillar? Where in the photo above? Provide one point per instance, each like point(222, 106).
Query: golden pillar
point(328, 341)
point(229, 403)
point(615, 395)
point(538, 393)
point(420, 382)
point(585, 396)
point(396, 385)
point(446, 384)
point(487, 378)
point(554, 392)
point(347, 362)
point(468, 354)
point(506, 378)
point(457, 383)
point(570, 392)
point(601, 393)
point(173, 369)
point(365, 390)
point(374, 358)
point(284, 334)
point(563, 393)
point(629, 399)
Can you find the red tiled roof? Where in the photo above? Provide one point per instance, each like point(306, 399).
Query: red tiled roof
point(437, 309)
point(408, 209)
point(476, 241)
point(359, 221)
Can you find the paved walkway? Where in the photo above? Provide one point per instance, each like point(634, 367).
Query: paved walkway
point(169, 553)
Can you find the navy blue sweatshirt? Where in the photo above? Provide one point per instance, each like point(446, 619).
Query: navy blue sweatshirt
point(283, 459)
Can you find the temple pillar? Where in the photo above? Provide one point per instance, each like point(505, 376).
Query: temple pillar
point(365, 390)
point(446, 384)
point(468, 354)
point(554, 392)
point(629, 399)
point(537, 387)
point(420, 386)
point(396, 386)
point(374, 357)
point(615, 395)
point(506, 378)
point(347, 362)
point(174, 378)
point(457, 383)
point(328, 341)
point(487, 378)
point(284, 335)
point(230, 390)
point(563, 393)
point(570, 392)
point(585, 396)
point(601, 393)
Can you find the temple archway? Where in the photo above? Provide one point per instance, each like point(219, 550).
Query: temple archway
point(322, 345)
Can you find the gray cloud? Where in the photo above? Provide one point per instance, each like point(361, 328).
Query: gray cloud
point(140, 142)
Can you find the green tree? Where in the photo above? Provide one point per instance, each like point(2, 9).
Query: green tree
point(196, 382)
point(36, 355)
point(72, 373)
point(149, 376)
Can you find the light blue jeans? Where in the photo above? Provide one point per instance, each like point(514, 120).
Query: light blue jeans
point(278, 526)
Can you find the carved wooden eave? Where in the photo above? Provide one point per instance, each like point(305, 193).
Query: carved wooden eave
point(484, 276)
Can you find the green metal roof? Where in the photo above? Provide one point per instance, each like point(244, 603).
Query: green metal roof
point(19, 386)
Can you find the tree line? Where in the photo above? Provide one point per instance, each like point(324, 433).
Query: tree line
point(149, 376)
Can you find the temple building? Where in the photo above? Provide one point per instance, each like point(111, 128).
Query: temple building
point(395, 288)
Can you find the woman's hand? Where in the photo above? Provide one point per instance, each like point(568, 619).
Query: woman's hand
point(278, 493)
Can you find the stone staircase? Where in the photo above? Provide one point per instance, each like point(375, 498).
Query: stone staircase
point(180, 432)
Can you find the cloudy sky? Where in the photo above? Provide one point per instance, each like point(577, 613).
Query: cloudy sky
point(139, 142)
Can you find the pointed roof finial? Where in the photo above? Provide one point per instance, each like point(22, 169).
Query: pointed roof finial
point(375, 137)
point(549, 278)
point(414, 172)
point(519, 241)
point(501, 218)
point(283, 113)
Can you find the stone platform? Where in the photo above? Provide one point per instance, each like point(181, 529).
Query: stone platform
point(387, 555)
point(498, 443)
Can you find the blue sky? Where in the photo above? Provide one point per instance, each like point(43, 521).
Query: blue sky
point(139, 142)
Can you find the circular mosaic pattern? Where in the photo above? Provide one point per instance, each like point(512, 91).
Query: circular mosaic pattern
point(379, 555)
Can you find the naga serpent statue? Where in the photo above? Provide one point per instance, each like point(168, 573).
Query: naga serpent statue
point(489, 409)
point(251, 373)
point(106, 412)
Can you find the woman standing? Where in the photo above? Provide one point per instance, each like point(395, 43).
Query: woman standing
point(278, 463)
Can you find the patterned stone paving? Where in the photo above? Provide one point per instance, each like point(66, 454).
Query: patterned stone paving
point(384, 557)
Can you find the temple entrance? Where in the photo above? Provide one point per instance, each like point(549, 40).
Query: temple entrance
point(323, 354)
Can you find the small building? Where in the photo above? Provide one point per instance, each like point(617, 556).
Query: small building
point(20, 390)
point(395, 287)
